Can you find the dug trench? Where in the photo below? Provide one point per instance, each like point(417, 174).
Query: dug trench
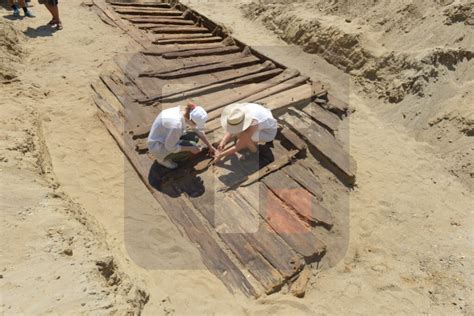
point(391, 256)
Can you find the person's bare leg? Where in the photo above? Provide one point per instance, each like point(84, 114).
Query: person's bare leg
point(53, 9)
point(245, 143)
point(55, 12)
point(49, 8)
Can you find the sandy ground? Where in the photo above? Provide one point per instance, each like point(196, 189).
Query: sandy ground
point(66, 186)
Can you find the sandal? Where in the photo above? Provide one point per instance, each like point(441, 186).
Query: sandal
point(59, 26)
point(52, 22)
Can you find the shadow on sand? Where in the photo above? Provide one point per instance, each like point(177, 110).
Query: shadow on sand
point(190, 184)
point(40, 31)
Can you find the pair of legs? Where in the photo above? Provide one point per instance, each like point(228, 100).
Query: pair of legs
point(21, 4)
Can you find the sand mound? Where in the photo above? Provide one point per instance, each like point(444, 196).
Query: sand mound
point(10, 51)
point(460, 14)
point(423, 80)
point(382, 73)
point(43, 228)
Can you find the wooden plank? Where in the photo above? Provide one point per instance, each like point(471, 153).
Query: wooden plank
point(305, 178)
point(300, 200)
point(336, 105)
point(326, 119)
point(133, 3)
point(152, 25)
point(323, 142)
point(144, 16)
point(141, 145)
point(300, 95)
point(224, 85)
point(164, 49)
point(298, 288)
point(222, 78)
point(274, 249)
point(177, 29)
point(139, 132)
point(153, 21)
point(203, 52)
point(280, 87)
point(292, 230)
point(208, 39)
point(293, 139)
point(189, 63)
point(160, 37)
point(230, 64)
point(259, 174)
point(215, 108)
point(147, 11)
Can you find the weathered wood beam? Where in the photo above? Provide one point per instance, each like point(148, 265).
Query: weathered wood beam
point(325, 144)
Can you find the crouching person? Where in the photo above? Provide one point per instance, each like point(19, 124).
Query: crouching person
point(250, 123)
point(170, 141)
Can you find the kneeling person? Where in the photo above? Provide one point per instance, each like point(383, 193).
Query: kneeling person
point(251, 123)
point(170, 142)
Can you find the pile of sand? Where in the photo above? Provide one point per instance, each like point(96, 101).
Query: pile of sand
point(55, 254)
point(10, 51)
point(418, 79)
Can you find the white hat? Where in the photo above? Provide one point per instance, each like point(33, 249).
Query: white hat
point(199, 116)
point(236, 118)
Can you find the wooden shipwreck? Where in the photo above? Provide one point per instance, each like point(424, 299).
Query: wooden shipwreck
point(257, 223)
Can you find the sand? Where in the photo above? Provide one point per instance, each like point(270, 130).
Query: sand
point(66, 187)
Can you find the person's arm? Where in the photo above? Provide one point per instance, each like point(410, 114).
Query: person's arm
point(203, 137)
point(242, 141)
point(224, 141)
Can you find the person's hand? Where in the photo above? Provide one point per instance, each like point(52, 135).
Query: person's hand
point(212, 150)
point(218, 156)
point(221, 145)
point(196, 150)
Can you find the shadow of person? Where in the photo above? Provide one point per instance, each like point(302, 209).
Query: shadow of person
point(12, 18)
point(185, 182)
point(40, 31)
point(239, 170)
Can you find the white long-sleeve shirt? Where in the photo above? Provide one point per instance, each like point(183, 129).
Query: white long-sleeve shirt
point(167, 129)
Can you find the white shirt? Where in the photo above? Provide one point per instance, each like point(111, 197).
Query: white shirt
point(168, 128)
point(261, 116)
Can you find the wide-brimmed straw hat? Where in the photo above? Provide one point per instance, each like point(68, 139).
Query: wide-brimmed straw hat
point(236, 118)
